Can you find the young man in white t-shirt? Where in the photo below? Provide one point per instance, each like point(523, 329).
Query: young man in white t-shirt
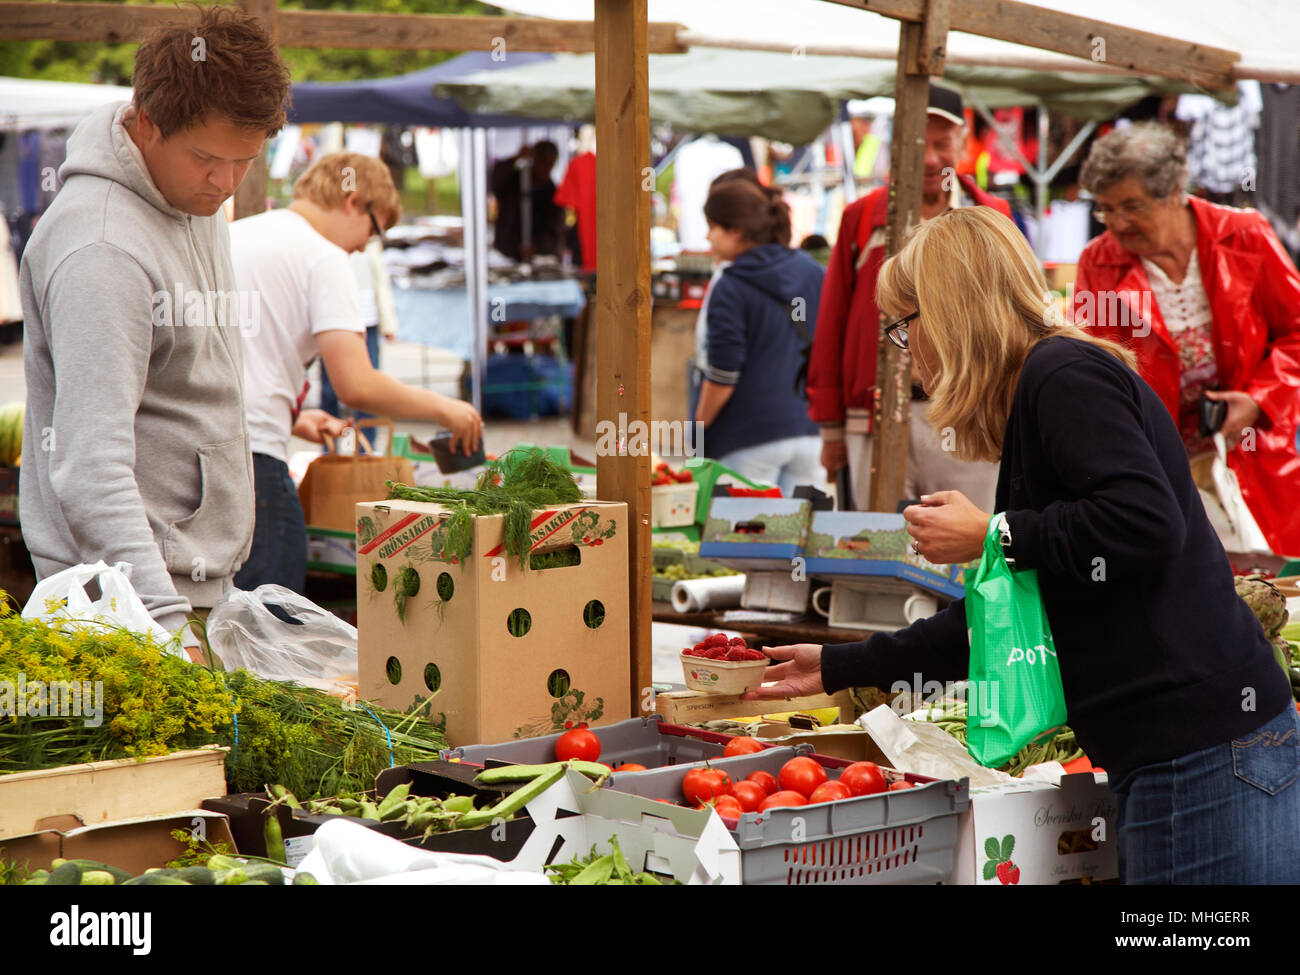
point(293, 265)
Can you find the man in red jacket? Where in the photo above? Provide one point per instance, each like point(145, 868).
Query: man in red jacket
point(842, 369)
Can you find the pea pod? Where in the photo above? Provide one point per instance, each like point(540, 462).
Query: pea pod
point(394, 799)
point(458, 804)
point(525, 773)
point(274, 837)
point(516, 801)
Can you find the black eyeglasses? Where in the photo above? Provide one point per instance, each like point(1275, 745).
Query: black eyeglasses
point(898, 331)
point(375, 224)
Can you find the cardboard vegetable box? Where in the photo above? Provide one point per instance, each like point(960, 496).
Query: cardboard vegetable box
point(506, 652)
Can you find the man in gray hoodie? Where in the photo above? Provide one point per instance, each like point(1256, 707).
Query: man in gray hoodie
point(135, 447)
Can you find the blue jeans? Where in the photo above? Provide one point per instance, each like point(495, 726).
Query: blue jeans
point(1229, 814)
point(279, 553)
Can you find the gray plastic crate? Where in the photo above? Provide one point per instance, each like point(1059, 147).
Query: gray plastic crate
point(903, 837)
point(635, 740)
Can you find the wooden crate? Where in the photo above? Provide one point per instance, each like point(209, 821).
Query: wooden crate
point(102, 792)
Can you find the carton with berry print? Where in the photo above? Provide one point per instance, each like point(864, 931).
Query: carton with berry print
point(1038, 832)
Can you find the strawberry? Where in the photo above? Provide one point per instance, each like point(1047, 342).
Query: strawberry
point(1008, 872)
point(684, 477)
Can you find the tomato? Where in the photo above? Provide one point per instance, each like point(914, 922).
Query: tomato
point(801, 775)
point(785, 798)
point(766, 779)
point(630, 767)
point(579, 743)
point(729, 807)
point(863, 778)
point(830, 792)
point(742, 746)
point(901, 784)
point(702, 784)
point(749, 794)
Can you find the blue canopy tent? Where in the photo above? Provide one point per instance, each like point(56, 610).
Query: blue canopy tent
point(406, 99)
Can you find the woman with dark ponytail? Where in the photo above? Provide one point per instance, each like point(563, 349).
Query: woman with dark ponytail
point(761, 315)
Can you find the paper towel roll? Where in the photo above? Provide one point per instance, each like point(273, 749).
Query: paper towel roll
point(719, 592)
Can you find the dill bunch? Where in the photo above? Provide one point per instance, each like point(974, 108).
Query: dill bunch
point(517, 484)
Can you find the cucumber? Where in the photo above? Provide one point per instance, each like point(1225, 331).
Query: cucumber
point(66, 874)
point(119, 875)
point(266, 873)
point(97, 878)
point(155, 880)
point(301, 879)
point(198, 876)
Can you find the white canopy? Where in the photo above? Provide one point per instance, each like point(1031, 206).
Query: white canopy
point(29, 104)
point(1264, 32)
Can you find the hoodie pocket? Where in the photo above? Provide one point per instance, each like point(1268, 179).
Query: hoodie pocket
point(209, 543)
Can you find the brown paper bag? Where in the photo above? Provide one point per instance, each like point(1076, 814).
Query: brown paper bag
point(334, 483)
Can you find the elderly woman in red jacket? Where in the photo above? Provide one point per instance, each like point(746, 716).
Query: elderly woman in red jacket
point(1210, 302)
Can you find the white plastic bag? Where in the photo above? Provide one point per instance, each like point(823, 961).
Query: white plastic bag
point(318, 650)
point(1242, 531)
point(118, 605)
point(346, 853)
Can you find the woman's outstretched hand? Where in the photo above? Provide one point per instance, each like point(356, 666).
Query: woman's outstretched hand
point(797, 673)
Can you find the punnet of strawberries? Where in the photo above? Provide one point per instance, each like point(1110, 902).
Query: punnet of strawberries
point(719, 646)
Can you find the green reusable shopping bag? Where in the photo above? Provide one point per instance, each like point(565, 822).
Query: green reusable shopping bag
point(1014, 694)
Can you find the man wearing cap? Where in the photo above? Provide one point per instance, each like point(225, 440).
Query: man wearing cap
point(842, 369)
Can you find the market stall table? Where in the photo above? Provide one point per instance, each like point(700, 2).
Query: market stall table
point(440, 317)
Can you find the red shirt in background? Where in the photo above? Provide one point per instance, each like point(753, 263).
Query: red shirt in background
point(578, 193)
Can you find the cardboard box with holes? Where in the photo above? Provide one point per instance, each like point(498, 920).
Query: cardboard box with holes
point(448, 607)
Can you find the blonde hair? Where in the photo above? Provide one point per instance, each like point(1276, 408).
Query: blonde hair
point(334, 177)
point(983, 304)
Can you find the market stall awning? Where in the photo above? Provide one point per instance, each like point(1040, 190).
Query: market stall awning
point(773, 94)
point(26, 103)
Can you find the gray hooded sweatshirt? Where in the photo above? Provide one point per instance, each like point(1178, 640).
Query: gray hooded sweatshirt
point(135, 447)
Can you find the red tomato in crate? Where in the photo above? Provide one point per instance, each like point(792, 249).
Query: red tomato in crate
point(729, 807)
point(580, 743)
point(749, 794)
point(863, 778)
point(743, 745)
point(901, 784)
point(830, 792)
point(702, 784)
point(630, 767)
point(766, 779)
point(801, 775)
point(783, 798)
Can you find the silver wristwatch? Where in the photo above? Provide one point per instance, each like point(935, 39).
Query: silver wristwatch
point(1004, 537)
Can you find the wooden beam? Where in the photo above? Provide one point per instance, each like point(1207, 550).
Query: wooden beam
point(933, 46)
point(250, 196)
point(894, 368)
point(309, 28)
point(624, 181)
point(1081, 37)
point(126, 23)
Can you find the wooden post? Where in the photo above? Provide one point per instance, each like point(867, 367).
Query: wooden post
point(624, 181)
point(250, 197)
point(906, 173)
